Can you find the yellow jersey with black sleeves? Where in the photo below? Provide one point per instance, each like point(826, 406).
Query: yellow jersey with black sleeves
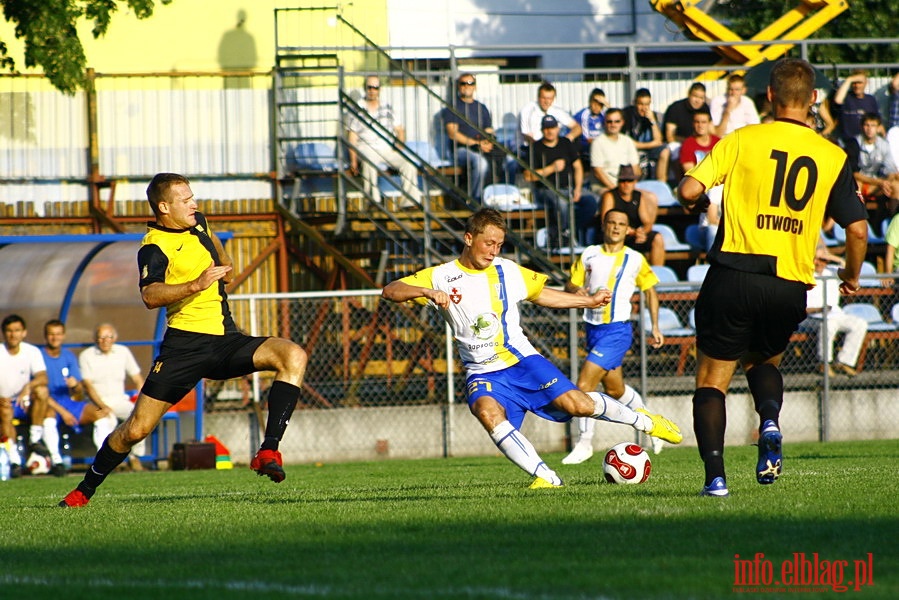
point(619, 272)
point(179, 256)
point(780, 180)
point(483, 310)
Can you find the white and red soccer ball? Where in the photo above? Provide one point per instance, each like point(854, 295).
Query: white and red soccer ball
point(626, 463)
point(37, 464)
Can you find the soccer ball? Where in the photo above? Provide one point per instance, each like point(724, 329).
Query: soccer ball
point(626, 463)
point(37, 464)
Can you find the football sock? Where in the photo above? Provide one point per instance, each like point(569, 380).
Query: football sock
point(585, 426)
point(609, 409)
point(13, 450)
point(520, 451)
point(105, 463)
point(632, 399)
point(282, 399)
point(51, 439)
point(35, 433)
point(709, 422)
point(103, 427)
point(766, 383)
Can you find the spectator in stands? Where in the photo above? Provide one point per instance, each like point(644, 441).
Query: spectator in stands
point(105, 367)
point(891, 258)
point(377, 146)
point(641, 208)
point(609, 330)
point(531, 117)
point(556, 159)
point(700, 143)
point(851, 102)
point(64, 382)
point(23, 390)
point(734, 109)
point(873, 167)
point(506, 377)
point(641, 124)
point(678, 122)
point(893, 94)
point(692, 151)
point(855, 328)
point(611, 150)
point(592, 120)
point(465, 134)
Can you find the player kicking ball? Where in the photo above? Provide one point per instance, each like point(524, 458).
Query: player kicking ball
point(478, 296)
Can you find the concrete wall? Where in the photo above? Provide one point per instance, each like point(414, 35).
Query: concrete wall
point(417, 432)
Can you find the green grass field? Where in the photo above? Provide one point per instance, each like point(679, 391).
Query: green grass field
point(457, 528)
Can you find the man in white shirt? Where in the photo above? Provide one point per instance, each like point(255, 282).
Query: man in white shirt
point(23, 387)
point(611, 150)
point(733, 109)
point(532, 115)
point(376, 150)
point(104, 368)
point(838, 321)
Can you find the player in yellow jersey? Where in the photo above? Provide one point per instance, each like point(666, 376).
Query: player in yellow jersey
point(780, 181)
point(184, 268)
point(478, 296)
point(621, 270)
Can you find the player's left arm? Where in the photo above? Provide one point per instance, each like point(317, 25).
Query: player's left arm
point(847, 208)
point(224, 258)
point(552, 298)
point(652, 299)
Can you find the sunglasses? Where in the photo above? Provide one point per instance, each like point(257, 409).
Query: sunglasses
point(467, 82)
point(372, 87)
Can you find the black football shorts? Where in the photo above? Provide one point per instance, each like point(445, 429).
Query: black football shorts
point(739, 312)
point(186, 357)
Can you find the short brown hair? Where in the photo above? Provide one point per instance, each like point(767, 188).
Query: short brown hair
point(160, 185)
point(479, 221)
point(792, 83)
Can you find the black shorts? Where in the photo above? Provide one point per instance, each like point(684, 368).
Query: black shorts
point(186, 357)
point(739, 312)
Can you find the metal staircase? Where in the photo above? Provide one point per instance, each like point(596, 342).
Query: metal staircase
point(314, 99)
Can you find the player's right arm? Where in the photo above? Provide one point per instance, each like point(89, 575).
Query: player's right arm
point(400, 291)
point(158, 294)
point(154, 290)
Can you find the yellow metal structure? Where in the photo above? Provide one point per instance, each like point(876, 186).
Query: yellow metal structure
point(805, 19)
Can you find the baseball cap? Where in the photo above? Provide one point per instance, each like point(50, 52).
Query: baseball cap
point(548, 122)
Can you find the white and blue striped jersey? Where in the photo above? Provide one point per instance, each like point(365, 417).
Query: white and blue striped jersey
point(483, 311)
point(619, 272)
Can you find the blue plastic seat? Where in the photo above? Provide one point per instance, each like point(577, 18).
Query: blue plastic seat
point(672, 244)
point(871, 314)
point(696, 273)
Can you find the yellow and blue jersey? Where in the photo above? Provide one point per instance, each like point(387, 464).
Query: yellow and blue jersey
point(619, 272)
point(483, 311)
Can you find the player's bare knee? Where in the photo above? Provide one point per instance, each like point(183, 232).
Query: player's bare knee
point(293, 359)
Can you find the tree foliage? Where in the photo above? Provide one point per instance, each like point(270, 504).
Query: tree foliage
point(863, 19)
point(48, 29)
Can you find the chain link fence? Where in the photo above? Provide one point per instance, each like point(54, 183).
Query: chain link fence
point(384, 381)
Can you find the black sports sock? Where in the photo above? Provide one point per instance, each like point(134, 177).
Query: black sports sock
point(766, 383)
point(282, 399)
point(105, 463)
point(709, 423)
